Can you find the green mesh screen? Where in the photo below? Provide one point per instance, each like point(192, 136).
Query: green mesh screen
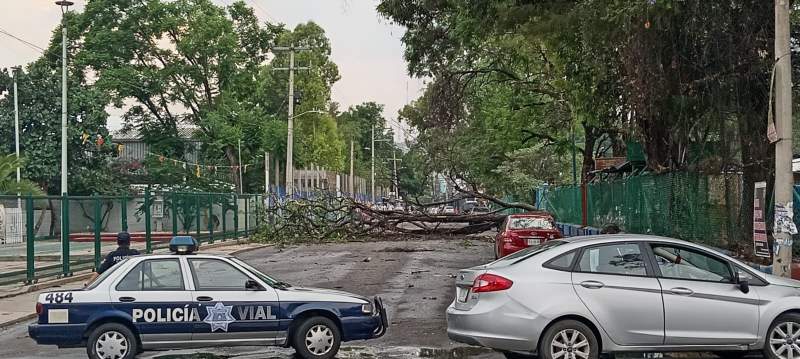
point(695, 207)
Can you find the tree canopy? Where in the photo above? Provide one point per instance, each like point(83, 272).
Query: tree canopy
point(172, 65)
point(513, 81)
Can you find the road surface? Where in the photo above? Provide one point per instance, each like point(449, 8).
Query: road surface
point(413, 277)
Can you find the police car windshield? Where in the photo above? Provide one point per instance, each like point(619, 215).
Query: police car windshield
point(105, 274)
point(269, 280)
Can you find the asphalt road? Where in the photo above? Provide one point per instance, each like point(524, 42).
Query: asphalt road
point(413, 278)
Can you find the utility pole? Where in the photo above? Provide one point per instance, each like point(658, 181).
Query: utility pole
point(352, 179)
point(372, 149)
point(290, 133)
point(372, 173)
point(395, 179)
point(394, 159)
point(16, 132)
point(782, 258)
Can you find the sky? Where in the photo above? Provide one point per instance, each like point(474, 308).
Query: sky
point(365, 46)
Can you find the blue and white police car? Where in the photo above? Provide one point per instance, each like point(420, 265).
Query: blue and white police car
point(189, 300)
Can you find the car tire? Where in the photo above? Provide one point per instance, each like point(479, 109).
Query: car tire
point(112, 339)
point(317, 338)
point(569, 336)
point(785, 322)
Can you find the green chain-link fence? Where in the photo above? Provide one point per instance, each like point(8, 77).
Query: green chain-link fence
point(694, 207)
point(50, 236)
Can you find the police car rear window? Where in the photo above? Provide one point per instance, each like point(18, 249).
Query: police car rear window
point(154, 274)
point(105, 275)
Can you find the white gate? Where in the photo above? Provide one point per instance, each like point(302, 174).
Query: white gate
point(12, 225)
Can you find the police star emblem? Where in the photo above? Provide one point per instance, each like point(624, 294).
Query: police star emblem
point(219, 316)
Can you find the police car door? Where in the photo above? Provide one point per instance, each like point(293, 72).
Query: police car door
point(231, 312)
point(154, 293)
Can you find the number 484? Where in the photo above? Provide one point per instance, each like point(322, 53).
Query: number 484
point(59, 297)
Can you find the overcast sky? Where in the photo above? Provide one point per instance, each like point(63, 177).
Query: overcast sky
point(365, 46)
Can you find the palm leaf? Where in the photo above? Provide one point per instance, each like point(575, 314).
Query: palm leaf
point(8, 180)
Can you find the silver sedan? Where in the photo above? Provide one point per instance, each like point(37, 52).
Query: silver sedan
point(577, 298)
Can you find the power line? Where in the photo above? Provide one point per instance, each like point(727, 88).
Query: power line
point(399, 127)
point(27, 43)
point(258, 6)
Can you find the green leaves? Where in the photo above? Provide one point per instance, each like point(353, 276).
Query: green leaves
point(194, 63)
point(8, 179)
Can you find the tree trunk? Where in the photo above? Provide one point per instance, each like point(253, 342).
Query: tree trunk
point(277, 173)
point(591, 134)
point(53, 218)
point(233, 160)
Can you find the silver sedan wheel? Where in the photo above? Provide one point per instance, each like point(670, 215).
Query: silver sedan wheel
point(784, 341)
point(569, 344)
point(111, 345)
point(319, 339)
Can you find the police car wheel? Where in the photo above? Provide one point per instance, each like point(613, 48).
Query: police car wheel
point(111, 341)
point(317, 338)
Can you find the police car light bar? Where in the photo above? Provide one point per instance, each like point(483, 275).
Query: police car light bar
point(183, 245)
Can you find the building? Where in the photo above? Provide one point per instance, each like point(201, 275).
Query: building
point(135, 149)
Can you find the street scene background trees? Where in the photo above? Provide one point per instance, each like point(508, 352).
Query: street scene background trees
point(526, 84)
point(518, 94)
point(167, 65)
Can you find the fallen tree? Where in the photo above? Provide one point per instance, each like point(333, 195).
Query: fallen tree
point(325, 217)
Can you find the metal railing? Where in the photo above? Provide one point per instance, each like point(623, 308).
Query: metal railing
point(56, 236)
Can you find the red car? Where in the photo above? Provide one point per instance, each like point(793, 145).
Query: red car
point(519, 231)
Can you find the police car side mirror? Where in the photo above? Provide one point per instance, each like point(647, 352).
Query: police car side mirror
point(252, 285)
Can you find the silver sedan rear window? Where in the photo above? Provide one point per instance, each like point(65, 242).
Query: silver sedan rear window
point(526, 253)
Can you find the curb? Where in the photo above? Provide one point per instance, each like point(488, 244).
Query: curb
point(48, 284)
point(15, 321)
point(245, 250)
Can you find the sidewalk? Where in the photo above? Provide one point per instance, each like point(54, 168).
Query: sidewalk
point(18, 302)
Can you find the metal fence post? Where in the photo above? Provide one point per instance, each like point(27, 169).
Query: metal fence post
point(124, 212)
point(174, 215)
point(247, 216)
point(235, 216)
point(148, 219)
point(210, 218)
point(30, 268)
point(197, 216)
point(65, 235)
point(258, 199)
point(224, 218)
point(98, 225)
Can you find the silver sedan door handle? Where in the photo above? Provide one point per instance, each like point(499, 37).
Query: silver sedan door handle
point(592, 284)
point(681, 291)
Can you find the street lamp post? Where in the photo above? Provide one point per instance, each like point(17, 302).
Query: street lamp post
point(16, 132)
point(64, 4)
